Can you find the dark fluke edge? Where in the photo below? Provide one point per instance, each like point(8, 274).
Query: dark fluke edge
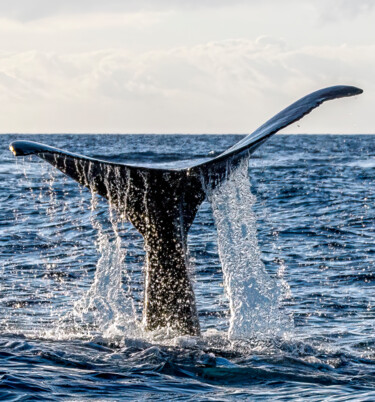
point(162, 204)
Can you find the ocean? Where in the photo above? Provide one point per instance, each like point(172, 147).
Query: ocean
point(300, 266)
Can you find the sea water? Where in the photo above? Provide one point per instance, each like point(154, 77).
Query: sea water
point(282, 262)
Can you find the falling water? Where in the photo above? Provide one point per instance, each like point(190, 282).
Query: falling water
point(107, 308)
point(254, 296)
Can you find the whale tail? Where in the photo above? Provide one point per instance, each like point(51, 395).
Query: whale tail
point(162, 204)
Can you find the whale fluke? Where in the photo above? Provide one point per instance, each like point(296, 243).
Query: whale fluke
point(162, 204)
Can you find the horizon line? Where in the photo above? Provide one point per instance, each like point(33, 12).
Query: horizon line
point(116, 133)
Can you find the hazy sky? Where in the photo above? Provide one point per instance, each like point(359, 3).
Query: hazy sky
point(182, 66)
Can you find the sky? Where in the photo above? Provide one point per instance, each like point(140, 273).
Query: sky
point(182, 66)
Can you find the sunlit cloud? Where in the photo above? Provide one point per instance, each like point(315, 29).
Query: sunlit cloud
point(226, 86)
point(180, 66)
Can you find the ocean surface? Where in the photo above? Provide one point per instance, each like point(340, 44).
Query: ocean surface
point(71, 277)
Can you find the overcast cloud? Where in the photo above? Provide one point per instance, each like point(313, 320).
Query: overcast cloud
point(181, 66)
point(26, 10)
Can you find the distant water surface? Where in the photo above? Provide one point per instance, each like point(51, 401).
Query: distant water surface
point(316, 227)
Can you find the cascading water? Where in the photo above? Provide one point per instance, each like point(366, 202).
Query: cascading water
point(106, 308)
point(254, 296)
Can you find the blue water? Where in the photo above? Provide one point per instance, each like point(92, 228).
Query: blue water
point(316, 224)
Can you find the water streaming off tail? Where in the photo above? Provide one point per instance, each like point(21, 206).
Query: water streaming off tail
point(254, 296)
point(107, 308)
point(104, 304)
point(66, 296)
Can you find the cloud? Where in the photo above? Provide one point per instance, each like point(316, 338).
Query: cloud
point(335, 10)
point(26, 10)
point(222, 86)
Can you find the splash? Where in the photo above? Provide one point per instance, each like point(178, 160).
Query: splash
point(104, 303)
point(254, 296)
point(107, 309)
